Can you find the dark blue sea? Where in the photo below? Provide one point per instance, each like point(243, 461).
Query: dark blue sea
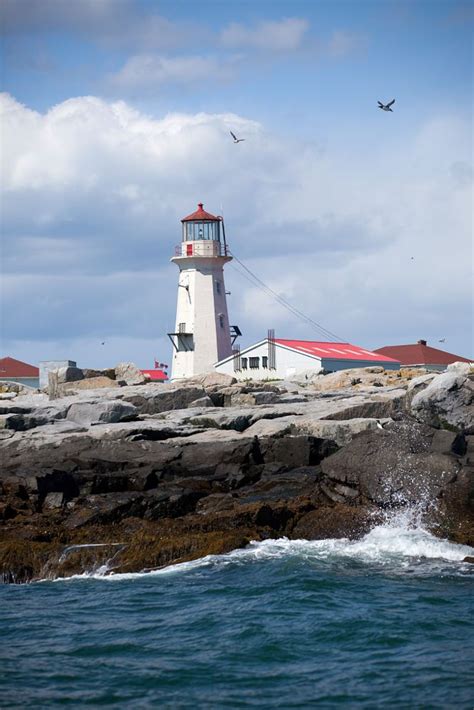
point(384, 622)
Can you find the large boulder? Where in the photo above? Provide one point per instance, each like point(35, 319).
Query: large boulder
point(89, 383)
point(68, 374)
point(403, 464)
point(211, 379)
point(448, 400)
point(343, 379)
point(8, 387)
point(89, 373)
point(157, 398)
point(104, 412)
point(340, 431)
point(129, 373)
point(207, 380)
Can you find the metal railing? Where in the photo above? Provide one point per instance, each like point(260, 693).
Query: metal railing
point(202, 248)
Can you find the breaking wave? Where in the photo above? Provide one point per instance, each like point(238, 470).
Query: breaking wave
point(400, 545)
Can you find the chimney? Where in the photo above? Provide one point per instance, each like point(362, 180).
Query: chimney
point(421, 342)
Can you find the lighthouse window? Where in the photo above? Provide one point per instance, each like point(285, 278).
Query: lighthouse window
point(194, 231)
point(218, 286)
point(254, 363)
point(221, 320)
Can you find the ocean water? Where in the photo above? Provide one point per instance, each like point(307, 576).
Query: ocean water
point(386, 621)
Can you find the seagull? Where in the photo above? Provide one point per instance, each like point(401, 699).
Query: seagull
point(236, 140)
point(386, 107)
point(442, 340)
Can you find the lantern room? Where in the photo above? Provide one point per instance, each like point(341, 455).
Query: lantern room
point(201, 225)
point(202, 235)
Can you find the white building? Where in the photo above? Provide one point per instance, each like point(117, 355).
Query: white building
point(278, 359)
point(202, 335)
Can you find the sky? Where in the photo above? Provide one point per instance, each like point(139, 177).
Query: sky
point(115, 120)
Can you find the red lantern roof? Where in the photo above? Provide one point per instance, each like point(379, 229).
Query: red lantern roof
point(200, 215)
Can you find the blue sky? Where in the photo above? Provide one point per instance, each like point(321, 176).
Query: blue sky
point(115, 124)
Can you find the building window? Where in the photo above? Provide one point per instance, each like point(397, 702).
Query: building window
point(218, 286)
point(254, 363)
point(265, 362)
point(244, 363)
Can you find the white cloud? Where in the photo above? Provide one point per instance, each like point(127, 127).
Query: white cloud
point(116, 23)
point(274, 35)
point(93, 195)
point(151, 70)
point(341, 43)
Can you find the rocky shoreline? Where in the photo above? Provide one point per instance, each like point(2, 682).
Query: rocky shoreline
point(137, 476)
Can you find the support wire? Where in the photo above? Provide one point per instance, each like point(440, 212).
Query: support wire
point(258, 283)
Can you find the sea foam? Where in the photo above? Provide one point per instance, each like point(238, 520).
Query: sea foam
point(401, 544)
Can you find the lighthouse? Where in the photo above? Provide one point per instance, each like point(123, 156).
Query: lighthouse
point(202, 334)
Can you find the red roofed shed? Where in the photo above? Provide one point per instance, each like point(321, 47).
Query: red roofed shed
point(421, 355)
point(17, 371)
point(11, 368)
point(336, 351)
point(279, 358)
point(156, 375)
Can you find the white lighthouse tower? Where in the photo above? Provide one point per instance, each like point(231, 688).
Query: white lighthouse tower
point(202, 334)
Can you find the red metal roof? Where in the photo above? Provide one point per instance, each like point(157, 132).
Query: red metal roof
point(334, 351)
point(420, 354)
point(200, 215)
point(156, 375)
point(9, 367)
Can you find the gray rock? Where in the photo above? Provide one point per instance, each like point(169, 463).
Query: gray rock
point(272, 427)
point(60, 426)
point(418, 383)
point(448, 442)
point(460, 368)
point(392, 467)
point(129, 373)
point(8, 387)
point(154, 399)
point(212, 379)
point(202, 402)
point(69, 374)
point(447, 400)
point(29, 419)
point(90, 383)
point(265, 397)
point(340, 431)
point(106, 412)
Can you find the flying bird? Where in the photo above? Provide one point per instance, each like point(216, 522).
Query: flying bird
point(103, 343)
point(442, 340)
point(236, 140)
point(386, 107)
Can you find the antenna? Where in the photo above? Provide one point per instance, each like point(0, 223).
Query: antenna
point(271, 349)
point(223, 235)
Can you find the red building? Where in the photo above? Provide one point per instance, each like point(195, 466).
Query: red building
point(420, 354)
point(18, 371)
point(156, 375)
